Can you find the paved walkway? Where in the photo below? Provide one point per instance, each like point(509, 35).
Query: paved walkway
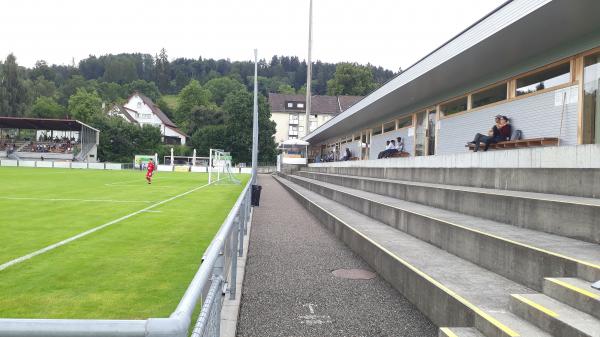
point(289, 289)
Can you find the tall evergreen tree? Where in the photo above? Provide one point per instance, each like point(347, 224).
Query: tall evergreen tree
point(13, 93)
point(163, 73)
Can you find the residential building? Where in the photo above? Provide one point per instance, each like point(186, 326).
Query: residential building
point(289, 112)
point(140, 109)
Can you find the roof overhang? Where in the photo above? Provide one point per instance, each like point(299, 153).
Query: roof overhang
point(520, 33)
point(42, 124)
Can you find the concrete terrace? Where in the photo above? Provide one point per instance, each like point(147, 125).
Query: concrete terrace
point(289, 288)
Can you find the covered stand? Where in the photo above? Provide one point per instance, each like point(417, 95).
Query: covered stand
point(294, 151)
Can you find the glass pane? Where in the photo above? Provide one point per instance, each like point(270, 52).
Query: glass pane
point(377, 130)
point(404, 122)
point(489, 96)
point(455, 106)
point(591, 100)
point(391, 126)
point(548, 78)
point(420, 134)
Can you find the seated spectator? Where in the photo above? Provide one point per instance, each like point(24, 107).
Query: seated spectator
point(348, 155)
point(387, 147)
point(392, 149)
point(500, 132)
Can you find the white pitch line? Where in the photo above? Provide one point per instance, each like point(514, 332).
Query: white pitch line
point(83, 200)
point(90, 231)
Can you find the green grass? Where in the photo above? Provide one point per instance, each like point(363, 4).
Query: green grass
point(172, 101)
point(134, 269)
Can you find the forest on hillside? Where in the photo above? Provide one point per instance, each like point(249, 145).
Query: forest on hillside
point(211, 96)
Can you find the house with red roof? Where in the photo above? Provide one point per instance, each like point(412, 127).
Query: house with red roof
point(140, 109)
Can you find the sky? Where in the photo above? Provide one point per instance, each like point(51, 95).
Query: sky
point(393, 34)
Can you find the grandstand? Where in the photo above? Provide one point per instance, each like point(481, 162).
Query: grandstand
point(48, 139)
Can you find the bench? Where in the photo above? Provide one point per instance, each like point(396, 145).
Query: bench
point(399, 155)
point(517, 144)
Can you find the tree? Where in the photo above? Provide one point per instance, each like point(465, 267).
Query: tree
point(41, 69)
point(212, 136)
point(193, 95)
point(221, 87)
point(41, 87)
point(351, 79)
point(147, 88)
point(163, 76)
point(13, 93)
point(120, 70)
point(83, 105)
point(238, 107)
point(286, 89)
point(47, 107)
point(202, 116)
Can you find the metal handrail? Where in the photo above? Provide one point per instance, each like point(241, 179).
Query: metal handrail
point(178, 323)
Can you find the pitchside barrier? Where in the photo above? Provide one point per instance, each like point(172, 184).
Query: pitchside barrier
point(60, 164)
point(218, 268)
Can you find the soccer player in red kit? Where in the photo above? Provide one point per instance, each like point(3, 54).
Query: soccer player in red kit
point(151, 169)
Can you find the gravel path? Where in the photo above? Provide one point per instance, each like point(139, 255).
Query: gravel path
point(289, 289)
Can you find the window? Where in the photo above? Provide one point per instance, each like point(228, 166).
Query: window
point(489, 96)
point(547, 78)
point(300, 105)
point(290, 104)
point(389, 126)
point(356, 138)
point(377, 130)
point(404, 122)
point(313, 125)
point(454, 106)
point(293, 119)
point(293, 130)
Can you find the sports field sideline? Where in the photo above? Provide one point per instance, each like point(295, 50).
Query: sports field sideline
point(137, 266)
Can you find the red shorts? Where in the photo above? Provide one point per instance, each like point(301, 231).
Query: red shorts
point(149, 175)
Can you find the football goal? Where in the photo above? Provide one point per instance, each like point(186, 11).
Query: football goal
point(219, 168)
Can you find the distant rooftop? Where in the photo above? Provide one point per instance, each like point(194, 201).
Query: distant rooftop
point(321, 104)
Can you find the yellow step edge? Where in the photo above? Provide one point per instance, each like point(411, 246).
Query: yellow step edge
point(459, 298)
point(448, 332)
point(574, 288)
point(535, 305)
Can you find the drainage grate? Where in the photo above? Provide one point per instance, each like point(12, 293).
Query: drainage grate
point(354, 274)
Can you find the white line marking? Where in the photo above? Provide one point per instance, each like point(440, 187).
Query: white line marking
point(149, 211)
point(90, 231)
point(74, 199)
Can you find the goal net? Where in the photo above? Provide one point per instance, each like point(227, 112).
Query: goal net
point(219, 168)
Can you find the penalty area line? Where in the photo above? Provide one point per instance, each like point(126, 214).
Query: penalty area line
point(95, 229)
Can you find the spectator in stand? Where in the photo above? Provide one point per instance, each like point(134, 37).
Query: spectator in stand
point(348, 155)
point(392, 149)
point(501, 131)
point(387, 147)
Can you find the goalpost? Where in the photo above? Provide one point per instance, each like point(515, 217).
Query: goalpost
point(219, 168)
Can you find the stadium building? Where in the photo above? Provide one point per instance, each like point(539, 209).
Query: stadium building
point(535, 61)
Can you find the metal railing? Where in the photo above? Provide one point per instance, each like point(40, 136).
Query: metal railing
point(218, 268)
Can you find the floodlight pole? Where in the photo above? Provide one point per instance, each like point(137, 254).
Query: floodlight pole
point(255, 120)
point(309, 71)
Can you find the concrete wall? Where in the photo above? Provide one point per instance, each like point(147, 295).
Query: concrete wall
point(580, 156)
point(537, 116)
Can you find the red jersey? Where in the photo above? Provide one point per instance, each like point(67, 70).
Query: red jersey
point(151, 167)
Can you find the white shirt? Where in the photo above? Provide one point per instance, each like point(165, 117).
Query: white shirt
point(400, 146)
point(389, 146)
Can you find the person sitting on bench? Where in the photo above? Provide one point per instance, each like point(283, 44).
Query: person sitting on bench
point(348, 155)
point(501, 131)
point(391, 150)
point(387, 147)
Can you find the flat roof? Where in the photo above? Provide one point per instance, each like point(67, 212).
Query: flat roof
point(520, 34)
point(42, 124)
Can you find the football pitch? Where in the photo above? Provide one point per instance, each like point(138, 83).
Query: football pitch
point(138, 265)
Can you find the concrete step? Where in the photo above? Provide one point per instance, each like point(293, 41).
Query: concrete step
point(553, 316)
point(575, 292)
point(538, 211)
point(459, 332)
point(575, 182)
point(449, 290)
point(522, 255)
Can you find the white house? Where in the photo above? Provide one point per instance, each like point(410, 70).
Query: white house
point(141, 110)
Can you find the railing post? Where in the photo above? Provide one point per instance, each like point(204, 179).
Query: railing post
point(234, 248)
point(241, 233)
